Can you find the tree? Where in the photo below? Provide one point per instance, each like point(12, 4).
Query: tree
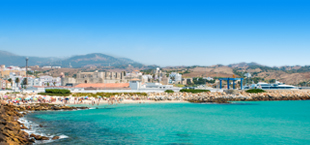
point(17, 81)
point(10, 80)
point(25, 82)
point(48, 84)
point(54, 83)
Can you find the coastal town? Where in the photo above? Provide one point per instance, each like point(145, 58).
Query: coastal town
point(30, 91)
point(154, 72)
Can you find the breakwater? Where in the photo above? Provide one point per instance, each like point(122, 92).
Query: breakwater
point(233, 95)
point(13, 132)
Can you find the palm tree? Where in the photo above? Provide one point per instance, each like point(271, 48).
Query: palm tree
point(17, 81)
point(10, 80)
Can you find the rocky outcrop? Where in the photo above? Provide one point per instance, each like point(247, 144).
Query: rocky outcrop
point(55, 137)
point(12, 130)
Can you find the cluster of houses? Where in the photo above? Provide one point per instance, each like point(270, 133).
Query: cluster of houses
point(13, 77)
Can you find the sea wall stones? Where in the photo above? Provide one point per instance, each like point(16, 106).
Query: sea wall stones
point(233, 95)
point(12, 131)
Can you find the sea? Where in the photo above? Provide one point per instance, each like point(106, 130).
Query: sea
point(264, 122)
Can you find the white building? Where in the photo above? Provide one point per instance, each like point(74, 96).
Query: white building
point(34, 82)
point(46, 67)
point(177, 77)
point(208, 78)
point(49, 81)
point(146, 78)
point(136, 84)
point(56, 66)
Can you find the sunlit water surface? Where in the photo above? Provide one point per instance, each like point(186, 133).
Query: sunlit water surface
point(277, 122)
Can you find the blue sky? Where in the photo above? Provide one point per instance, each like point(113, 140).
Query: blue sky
point(162, 32)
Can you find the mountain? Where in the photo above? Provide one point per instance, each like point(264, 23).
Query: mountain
point(98, 59)
point(8, 59)
point(243, 64)
point(78, 61)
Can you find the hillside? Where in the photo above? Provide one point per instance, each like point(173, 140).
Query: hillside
point(98, 59)
point(8, 59)
point(294, 75)
point(78, 61)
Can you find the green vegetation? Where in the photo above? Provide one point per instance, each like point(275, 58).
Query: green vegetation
point(238, 73)
point(103, 94)
point(307, 84)
point(169, 91)
point(255, 91)
point(194, 90)
point(56, 92)
point(147, 71)
point(186, 72)
point(179, 85)
point(201, 81)
point(263, 68)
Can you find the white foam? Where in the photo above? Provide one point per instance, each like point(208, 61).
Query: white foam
point(63, 136)
point(37, 130)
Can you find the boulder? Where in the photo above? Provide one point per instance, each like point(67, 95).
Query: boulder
point(55, 137)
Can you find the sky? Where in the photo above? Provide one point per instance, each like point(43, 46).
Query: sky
point(161, 32)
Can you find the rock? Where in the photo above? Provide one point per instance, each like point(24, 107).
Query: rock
point(32, 135)
point(23, 127)
point(44, 138)
point(55, 137)
point(31, 140)
point(41, 125)
point(38, 137)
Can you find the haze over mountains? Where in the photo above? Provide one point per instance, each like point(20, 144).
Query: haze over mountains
point(78, 61)
point(99, 59)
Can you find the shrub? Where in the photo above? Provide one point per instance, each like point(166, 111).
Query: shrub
point(194, 90)
point(255, 91)
point(169, 91)
point(56, 92)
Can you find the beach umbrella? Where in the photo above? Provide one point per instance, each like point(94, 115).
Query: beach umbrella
point(18, 99)
point(5, 96)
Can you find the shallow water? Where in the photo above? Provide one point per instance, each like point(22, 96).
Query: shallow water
point(276, 122)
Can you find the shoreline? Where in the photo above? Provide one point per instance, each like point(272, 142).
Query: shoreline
point(15, 129)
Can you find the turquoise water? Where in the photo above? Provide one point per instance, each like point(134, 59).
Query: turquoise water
point(277, 122)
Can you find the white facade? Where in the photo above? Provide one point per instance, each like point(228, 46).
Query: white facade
point(47, 67)
point(34, 82)
point(177, 76)
point(49, 80)
point(56, 66)
point(208, 78)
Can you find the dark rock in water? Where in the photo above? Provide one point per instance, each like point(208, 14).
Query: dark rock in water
point(41, 125)
point(96, 107)
point(44, 138)
point(55, 137)
point(32, 135)
point(31, 140)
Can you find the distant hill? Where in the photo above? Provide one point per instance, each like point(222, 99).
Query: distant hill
point(8, 59)
point(243, 64)
point(78, 61)
point(296, 75)
point(98, 59)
